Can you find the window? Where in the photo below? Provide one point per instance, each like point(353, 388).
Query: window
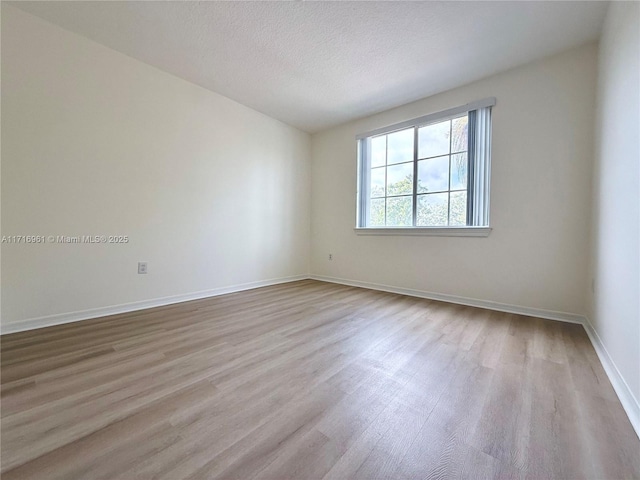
point(429, 172)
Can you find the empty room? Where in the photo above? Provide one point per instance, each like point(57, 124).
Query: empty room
point(320, 240)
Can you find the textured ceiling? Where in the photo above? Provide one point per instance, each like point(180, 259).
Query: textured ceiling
point(317, 64)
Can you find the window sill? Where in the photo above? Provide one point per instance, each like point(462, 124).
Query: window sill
point(428, 231)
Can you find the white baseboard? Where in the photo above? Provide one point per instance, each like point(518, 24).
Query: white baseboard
point(627, 399)
point(62, 318)
point(472, 302)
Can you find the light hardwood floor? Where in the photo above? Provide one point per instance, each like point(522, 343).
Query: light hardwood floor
point(311, 380)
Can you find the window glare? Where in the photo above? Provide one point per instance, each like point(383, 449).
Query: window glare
point(459, 134)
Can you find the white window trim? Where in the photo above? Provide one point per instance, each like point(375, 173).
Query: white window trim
point(468, 231)
point(432, 117)
point(482, 209)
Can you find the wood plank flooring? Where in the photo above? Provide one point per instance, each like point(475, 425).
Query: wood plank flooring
point(310, 380)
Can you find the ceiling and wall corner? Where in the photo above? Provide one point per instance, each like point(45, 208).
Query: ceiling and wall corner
point(314, 65)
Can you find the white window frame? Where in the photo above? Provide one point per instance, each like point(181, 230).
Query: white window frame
point(479, 153)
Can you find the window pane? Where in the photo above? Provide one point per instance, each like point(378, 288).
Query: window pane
point(459, 134)
point(376, 212)
point(458, 213)
point(400, 146)
point(399, 211)
point(433, 175)
point(377, 182)
point(378, 151)
point(459, 171)
point(433, 140)
point(432, 210)
point(400, 179)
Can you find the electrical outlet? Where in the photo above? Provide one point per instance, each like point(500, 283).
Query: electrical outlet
point(142, 268)
point(331, 256)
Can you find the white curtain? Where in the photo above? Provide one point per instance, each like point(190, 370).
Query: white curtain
point(481, 166)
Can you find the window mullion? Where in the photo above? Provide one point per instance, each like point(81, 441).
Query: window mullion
point(449, 179)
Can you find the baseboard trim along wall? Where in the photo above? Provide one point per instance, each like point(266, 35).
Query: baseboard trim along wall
point(471, 302)
point(627, 399)
point(62, 318)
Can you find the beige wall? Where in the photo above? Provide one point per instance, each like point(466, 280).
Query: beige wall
point(212, 194)
point(540, 192)
point(614, 302)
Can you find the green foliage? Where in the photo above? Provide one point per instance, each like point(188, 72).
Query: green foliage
point(402, 187)
point(399, 210)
